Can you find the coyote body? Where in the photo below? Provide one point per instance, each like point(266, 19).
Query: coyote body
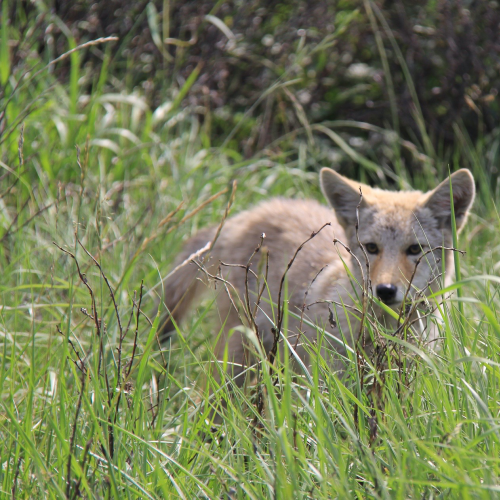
point(325, 280)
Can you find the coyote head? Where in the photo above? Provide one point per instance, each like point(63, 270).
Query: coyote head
point(396, 229)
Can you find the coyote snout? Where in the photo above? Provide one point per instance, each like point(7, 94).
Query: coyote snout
point(387, 293)
point(402, 235)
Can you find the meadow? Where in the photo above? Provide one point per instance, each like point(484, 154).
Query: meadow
point(100, 184)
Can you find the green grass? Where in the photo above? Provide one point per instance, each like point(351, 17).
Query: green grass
point(77, 419)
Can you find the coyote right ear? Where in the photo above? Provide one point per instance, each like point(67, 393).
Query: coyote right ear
point(464, 191)
point(342, 194)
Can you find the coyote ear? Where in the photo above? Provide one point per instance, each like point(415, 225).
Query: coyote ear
point(438, 200)
point(342, 194)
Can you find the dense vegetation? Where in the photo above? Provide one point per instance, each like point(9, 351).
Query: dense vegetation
point(189, 97)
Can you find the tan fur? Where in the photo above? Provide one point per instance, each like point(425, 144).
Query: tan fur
point(392, 220)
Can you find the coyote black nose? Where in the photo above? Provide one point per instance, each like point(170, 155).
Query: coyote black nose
point(387, 292)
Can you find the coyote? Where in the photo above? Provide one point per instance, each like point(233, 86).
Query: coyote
point(393, 231)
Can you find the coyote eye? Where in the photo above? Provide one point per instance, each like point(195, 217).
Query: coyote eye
point(371, 247)
point(414, 250)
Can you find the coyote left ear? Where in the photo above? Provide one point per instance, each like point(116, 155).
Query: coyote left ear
point(342, 194)
point(438, 200)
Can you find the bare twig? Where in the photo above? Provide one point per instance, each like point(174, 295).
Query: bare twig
point(76, 491)
point(409, 312)
point(83, 279)
point(274, 348)
point(227, 286)
point(119, 383)
point(304, 304)
point(247, 294)
point(352, 254)
point(73, 436)
point(100, 329)
point(130, 317)
point(367, 293)
point(248, 310)
point(16, 476)
point(136, 330)
point(264, 284)
point(20, 146)
point(80, 364)
point(111, 293)
point(367, 284)
point(341, 304)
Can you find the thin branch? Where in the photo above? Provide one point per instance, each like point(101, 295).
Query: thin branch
point(274, 348)
point(73, 436)
point(76, 491)
point(367, 285)
point(136, 330)
point(83, 279)
point(80, 364)
point(304, 305)
point(227, 286)
point(108, 285)
point(16, 476)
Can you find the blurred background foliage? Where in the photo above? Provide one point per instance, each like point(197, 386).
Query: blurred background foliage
point(363, 61)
